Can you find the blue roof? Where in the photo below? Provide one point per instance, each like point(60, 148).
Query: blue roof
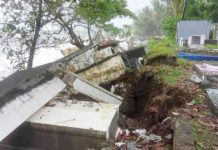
point(193, 27)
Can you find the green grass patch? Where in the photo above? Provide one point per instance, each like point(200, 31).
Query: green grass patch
point(210, 46)
point(184, 63)
point(161, 47)
point(201, 136)
point(167, 74)
point(198, 99)
point(167, 147)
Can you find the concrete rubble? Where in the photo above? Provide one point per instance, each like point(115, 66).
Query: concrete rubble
point(103, 62)
point(206, 69)
point(23, 106)
point(23, 93)
point(135, 140)
point(91, 90)
point(209, 82)
point(213, 100)
point(183, 139)
point(78, 112)
point(68, 125)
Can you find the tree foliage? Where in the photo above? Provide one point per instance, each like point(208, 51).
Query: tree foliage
point(98, 13)
point(149, 20)
point(145, 25)
point(31, 24)
point(169, 26)
point(101, 11)
point(177, 6)
point(18, 28)
point(202, 9)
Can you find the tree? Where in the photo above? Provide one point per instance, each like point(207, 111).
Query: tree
point(62, 13)
point(202, 9)
point(98, 13)
point(149, 20)
point(25, 28)
point(169, 26)
point(177, 6)
point(87, 14)
point(20, 30)
point(32, 24)
point(145, 25)
point(38, 24)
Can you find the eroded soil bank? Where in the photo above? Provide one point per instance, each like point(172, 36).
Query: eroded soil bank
point(149, 100)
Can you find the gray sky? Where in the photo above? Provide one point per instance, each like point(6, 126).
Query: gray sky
point(135, 6)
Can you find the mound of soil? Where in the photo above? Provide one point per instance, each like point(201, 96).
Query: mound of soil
point(147, 103)
point(160, 60)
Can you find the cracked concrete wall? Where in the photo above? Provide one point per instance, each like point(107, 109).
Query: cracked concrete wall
point(105, 71)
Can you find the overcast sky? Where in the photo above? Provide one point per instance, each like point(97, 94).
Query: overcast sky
point(135, 6)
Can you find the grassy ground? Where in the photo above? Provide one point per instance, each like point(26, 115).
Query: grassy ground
point(184, 62)
point(210, 46)
point(201, 136)
point(202, 119)
point(170, 75)
point(167, 74)
point(161, 47)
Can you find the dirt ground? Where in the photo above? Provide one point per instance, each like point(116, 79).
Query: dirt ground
point(149, 104)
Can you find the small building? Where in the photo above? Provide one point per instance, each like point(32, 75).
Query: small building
point(193, 32)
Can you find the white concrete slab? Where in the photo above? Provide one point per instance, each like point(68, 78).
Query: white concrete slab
point(15, 112)
point(94, 91)
point(82, 115)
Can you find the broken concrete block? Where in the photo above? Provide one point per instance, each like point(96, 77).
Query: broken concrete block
point(106, 70)
point(155, 138)
point(69, 79)
point(206, 69)
point(94, 91)
point(183, 139)
point(207, 84)
point(213, 100)
point(68, 126)
point(19, 109)
point(196, 79)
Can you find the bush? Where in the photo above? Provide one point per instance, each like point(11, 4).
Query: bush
point(161, 47)
point(169, 26)
point(184, 62)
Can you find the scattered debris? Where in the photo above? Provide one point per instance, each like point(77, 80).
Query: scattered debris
point(207, 69)
point(195, 79)
point(161, 104)
point(175, 113)
point(193, 102)
point(213, 100)
point(137, 139)
point(183, 139)
point(168, 137)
